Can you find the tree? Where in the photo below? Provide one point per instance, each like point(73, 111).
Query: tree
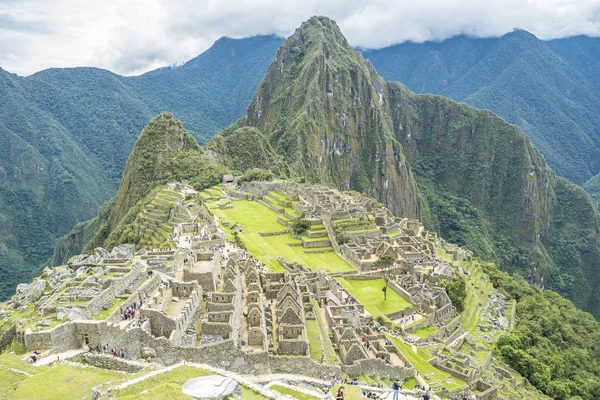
point(457, 292)
point(385, 261)
point(299, 226)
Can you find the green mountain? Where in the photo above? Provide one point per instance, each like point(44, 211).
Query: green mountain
point(65, 135)
point(548, 88)
point(164, 152)
point(467, 173)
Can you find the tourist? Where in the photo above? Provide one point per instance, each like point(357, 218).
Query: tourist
point(395, 388)
point(427, 395)
point(340, 394)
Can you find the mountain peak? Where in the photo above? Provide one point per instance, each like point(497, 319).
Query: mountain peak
point(521, 35)
point(160, 140)
point(319, 29)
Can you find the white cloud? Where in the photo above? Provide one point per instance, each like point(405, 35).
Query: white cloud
point(134, 36)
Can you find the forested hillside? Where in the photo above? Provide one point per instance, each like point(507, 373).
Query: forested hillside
point(65, 135)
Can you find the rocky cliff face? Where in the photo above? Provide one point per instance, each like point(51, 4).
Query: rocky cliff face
point(324, 109)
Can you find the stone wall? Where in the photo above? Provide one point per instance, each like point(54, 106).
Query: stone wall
point(288, 346)
point(317, 243)
point(105, 299)
point(38, 340)
point(295, 365)
point(407, 296)
point(146, 288)
point(107, 361)
point(6, 336)
point(377, 367)
point(160, 323)
point(60, 338)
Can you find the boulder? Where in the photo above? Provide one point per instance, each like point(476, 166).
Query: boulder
point(147, 352)
point(503, 323)
point(123, 251)
point(27, 293)
point(72, 314)
point(211, 387)
point(102, 253)
point(79, 260)
point(80, 271)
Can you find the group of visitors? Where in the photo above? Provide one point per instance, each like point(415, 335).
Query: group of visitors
point(350, 299)
point(104, 349)
point(408, 319)
point(376, 327)
point(129, 312)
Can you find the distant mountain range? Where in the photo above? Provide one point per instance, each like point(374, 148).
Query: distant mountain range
point(66, 133)
point(550, 89)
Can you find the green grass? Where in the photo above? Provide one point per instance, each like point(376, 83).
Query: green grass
point(409, 383)
point(329, 352)
point(255, 218)
point(419, 360)
point(350, 392)
point(314, 337)
point(475, 296)
point(424, 333)
point(369, 293)
point(167, 386)
point(62, 381)
point(294, 393)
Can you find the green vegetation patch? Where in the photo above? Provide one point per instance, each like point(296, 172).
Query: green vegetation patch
point(254, 218)
point(369, 293)
point(49, 382)
point(424, 333)
point(294, 393)
point(418, 358)
point(167, 386)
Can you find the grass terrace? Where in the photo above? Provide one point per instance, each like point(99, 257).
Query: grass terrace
point(254, 218)
point(424, 333)
point(294, 393)
point(418, 358)
point(319, 340)
point(167, 386)
point(369, 293)
point(68, 382)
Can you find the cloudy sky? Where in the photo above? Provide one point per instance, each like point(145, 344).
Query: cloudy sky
point(133, 36)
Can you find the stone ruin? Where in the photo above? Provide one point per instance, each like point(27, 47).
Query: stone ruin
point(207, 301)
